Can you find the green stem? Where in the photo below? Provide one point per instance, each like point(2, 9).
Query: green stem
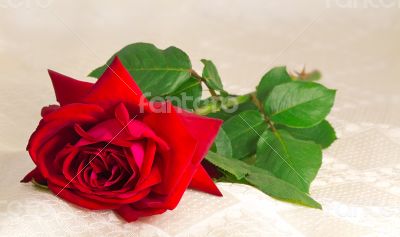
point(229, 102)
point(202, 79)
point(207, 109)
point(220, 103)
point(267, 120)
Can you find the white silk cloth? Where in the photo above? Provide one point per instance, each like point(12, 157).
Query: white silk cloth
point(356, 48)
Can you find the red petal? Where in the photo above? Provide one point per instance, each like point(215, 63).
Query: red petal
point(65, 116)
point(34, 175)
point(46, 157)
point(68, 90)
point(152, 179)
point(130, 213)
point(204, 129)
point(77, 199)
point(122, 114)
point(115, 86)
point(202, 181)
point(49, 109)
point(176, 161)
point(150, 152)
point(114, 199)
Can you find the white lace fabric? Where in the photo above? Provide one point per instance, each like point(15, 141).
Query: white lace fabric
point(356, 49)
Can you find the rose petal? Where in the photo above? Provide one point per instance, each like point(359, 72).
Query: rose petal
point(34, 175)
point(49, 109)
point(151, 180)
point(202, 181)
point(68, 90)
point(113, 198)
point(116, 86)
point(79, 199)
point(204, 129)
point(170, 127)
point(106, 131)
point(122, 114)
point(47, 155)
point(70, 165)
point(112, 131)
point(116, 176)
point(138, 153)
point(148, 160)
point(130, 213)
point(65, 116)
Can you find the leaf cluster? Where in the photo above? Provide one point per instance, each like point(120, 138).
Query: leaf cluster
point(271, 138)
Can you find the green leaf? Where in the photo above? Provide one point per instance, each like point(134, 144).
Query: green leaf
point(262, 180)
point(187, 95)
point(243, 131)
point(222, 144)
point(272, 78)
point(237, 168)
point(295, 161)
point(158, 72)
point(250, 160)
point(322, 133)
point(299, 104)
point(279, 189)
point(210, 73)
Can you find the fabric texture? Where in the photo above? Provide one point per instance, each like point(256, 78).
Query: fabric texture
point(355, 47)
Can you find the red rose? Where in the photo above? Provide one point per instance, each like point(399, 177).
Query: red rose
point(105, 147)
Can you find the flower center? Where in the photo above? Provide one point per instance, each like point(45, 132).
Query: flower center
point(105, 167)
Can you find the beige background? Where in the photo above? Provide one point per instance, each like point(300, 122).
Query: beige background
point(354, 43)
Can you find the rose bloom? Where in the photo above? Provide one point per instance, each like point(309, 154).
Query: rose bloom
point(106, 147)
